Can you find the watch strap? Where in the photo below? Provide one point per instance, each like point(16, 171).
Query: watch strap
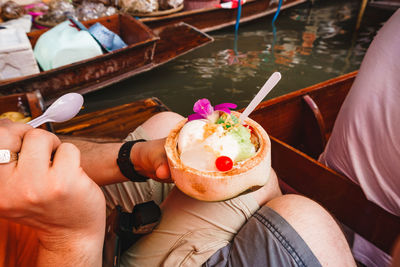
point(125, 164)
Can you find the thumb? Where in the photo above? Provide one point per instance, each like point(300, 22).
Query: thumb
point(162, 172)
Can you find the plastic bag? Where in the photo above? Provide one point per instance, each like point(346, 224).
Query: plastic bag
point(59, 10)
point(91, 10)
point(11, 10)
point(139, 6)
point(109, 40)
point(64, 44)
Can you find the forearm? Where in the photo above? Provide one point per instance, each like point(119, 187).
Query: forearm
point(79, 250)
point(99, 161)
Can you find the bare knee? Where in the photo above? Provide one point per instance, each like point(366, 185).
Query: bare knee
point(159, 125)
point(317, 228)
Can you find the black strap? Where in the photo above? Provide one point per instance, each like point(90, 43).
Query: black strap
point(125, 164)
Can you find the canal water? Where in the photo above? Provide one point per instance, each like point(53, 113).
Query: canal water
point(308, 44)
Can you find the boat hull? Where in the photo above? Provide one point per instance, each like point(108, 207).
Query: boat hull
point(146, 49)
point(211, 19)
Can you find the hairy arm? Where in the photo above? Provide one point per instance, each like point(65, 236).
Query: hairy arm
point(99, 160)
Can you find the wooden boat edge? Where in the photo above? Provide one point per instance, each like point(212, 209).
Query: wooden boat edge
point(110, 70)
point(320, 182)
point(185, 14)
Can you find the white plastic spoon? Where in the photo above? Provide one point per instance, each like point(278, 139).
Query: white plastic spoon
point(63, 109)
point(269, 84)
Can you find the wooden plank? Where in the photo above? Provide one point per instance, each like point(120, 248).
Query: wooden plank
point(388, 4)
point(35, 103)
point(116, 122)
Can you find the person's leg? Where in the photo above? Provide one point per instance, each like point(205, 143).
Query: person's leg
point(290, 230)
point(316, 227)
point(191, 231)
point(159, 125)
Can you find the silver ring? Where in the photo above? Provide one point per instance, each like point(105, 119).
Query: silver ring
point(6, 156)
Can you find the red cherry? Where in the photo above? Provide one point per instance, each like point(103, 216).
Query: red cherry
point(224, 163)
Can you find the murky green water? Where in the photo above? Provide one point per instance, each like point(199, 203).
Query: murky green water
point(310, 43)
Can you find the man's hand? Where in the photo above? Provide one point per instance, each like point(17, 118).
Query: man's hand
point(150, 159)
point(53, 196)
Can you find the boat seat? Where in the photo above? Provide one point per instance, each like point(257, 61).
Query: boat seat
point(338, 194)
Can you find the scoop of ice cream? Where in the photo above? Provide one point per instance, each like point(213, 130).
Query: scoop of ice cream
point(191, 133)
point(199, 158)
point(201, 142)
point(222, 144)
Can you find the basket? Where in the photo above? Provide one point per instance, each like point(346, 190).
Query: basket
point(158, 13)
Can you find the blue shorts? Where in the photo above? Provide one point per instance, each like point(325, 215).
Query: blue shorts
point(266, 239)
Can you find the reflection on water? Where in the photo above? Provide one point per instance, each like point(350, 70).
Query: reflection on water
point(307, 44)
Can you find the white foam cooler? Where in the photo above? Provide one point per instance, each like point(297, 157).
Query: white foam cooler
point(16, 55)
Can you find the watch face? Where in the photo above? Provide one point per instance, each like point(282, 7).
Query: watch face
point(5, 156)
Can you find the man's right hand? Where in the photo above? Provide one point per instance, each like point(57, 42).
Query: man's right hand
point(53, 196)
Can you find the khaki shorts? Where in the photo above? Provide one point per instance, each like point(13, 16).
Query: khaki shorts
point(190, 231)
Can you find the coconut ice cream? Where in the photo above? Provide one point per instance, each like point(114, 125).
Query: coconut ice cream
point(213, 156)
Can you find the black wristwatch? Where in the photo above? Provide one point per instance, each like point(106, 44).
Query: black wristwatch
point(125, 164)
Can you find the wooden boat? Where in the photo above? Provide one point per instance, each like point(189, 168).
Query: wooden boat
point(146, 49)
point(386, 4)
point(211, 19)
point(299, 124)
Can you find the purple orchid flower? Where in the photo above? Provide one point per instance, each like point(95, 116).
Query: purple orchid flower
point(204, 109)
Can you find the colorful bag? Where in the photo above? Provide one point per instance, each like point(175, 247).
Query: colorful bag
point(64, 44)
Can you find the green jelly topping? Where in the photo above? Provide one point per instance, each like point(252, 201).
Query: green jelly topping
point(240, 133)
point(242, 136)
